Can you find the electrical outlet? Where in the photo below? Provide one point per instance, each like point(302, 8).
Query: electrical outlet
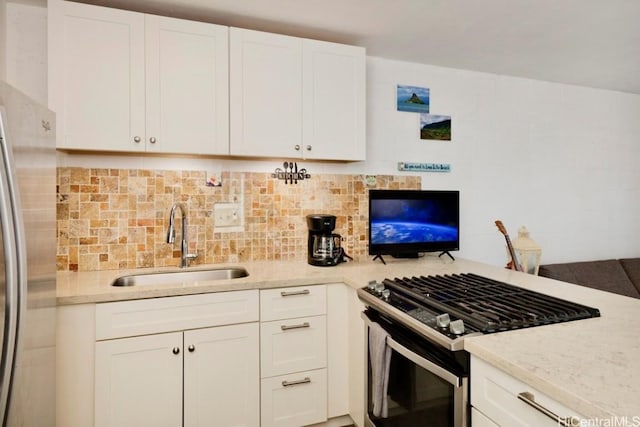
point(227, 215)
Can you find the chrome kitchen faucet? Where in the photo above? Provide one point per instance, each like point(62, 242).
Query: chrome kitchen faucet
point(185, 256)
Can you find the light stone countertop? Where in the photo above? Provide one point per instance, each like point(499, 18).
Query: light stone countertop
point(591, 366)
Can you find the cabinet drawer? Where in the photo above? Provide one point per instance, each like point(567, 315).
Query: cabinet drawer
point(294, 400)
point(149, 316)
point(495, 394)
point(293, 345)
point(299, 301)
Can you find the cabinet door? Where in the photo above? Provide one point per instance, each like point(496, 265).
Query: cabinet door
point(222, 376)
point(334, 101)
point(265, 94)
point(187, 81)
point(139, 381)
point(96, 76)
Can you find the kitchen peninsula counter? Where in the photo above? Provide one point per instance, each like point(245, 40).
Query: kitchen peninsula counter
point(591, 366)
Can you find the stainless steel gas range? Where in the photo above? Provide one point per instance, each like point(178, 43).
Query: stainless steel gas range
point(424, 378)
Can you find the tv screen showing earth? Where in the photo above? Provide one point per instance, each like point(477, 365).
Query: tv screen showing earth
point(385, 232)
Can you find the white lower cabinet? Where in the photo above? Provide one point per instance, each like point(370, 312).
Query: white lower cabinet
point(293, 351)
point(293, 345)
point(294, 400)
point(139, 381)
point(221, 376)
point(277, 357)
point(496, 402)
point(193, 377)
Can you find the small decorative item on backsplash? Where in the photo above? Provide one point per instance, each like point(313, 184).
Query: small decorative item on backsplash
point(290, 174)
point(370, 181)
point(214, 181)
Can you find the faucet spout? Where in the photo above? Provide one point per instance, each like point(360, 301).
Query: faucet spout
point(185, 256)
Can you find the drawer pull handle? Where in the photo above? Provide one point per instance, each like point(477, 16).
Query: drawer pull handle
point(298, 382)
point(176, 350)
point(301, 325)
point(291, 293)
point(530, 400)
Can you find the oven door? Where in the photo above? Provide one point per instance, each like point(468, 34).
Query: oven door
point(428, 385)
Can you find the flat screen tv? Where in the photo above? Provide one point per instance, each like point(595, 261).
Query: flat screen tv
point(408, 223)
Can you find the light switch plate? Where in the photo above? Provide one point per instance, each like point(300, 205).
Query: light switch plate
point(227, 215)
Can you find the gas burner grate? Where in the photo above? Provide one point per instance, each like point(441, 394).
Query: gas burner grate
point(487, 304)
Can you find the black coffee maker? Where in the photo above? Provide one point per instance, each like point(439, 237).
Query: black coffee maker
point(324, 245)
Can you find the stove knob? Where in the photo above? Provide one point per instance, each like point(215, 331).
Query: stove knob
point(379, 288)
point(457, 327)
point(386, 293)
point(443, 320)
point(372, 285)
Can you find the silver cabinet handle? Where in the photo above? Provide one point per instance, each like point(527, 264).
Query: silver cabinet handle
point(297, 147)
point(176, 350)
point(136, 139)
point(300, 326)
point(291, 293)
point(191, 348)
point(530, 399)
point(297, 382)
point(308, 148)
point(152, 140)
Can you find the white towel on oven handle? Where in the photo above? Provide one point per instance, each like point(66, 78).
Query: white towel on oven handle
point(380, 356)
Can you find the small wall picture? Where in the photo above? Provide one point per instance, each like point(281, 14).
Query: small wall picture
point(413, 99)
point(436, 127)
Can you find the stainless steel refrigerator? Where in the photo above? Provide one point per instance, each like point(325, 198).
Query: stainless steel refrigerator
point(27, 261)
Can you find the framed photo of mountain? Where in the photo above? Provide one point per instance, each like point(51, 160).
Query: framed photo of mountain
point(413, 99)
point(436, 127)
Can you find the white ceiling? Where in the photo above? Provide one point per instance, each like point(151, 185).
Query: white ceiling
point(594, 43)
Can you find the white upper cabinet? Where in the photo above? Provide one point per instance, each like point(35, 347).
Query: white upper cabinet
point(293, 97)
point(334, 101)
point(96, 76)
point(187, 86)
point(265, 93)
point(125, 81)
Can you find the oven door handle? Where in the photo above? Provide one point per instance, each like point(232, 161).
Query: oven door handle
point(428, 365)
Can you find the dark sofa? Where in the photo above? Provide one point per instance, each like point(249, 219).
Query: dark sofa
point(620, 276)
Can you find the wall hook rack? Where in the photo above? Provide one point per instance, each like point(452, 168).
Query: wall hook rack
point(290, 174)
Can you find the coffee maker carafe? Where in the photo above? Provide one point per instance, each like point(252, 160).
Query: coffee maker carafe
point(324, 245)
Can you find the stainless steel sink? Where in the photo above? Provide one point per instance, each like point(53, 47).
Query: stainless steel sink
point(177, 277)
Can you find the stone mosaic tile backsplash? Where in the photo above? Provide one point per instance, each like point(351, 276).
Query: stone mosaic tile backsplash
point(117, 218)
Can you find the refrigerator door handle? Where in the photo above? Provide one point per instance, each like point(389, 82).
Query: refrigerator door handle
point(14, 265)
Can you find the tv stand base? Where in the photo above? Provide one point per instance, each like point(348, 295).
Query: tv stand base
point(381, 259)
point(447, 253)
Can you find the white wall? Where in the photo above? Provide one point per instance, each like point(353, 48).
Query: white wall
point(559, 159)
